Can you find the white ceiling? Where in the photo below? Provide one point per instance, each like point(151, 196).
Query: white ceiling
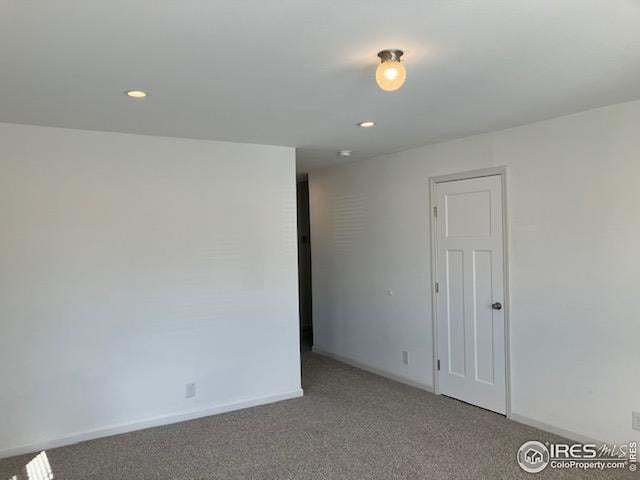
point(301, 72)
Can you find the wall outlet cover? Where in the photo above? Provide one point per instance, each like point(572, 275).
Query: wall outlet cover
point(191, 390)
point(405, 358)
point(635, 420)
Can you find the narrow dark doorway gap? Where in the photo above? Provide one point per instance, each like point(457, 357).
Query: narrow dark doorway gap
point(304, 266)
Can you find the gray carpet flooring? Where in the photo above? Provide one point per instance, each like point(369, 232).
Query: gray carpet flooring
point(349, 425)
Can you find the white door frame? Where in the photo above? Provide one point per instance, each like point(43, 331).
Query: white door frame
point(433, 181)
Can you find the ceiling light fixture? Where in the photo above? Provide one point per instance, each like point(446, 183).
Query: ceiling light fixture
point(136, 93)
point(391, 73)
point(366, 124)
point(345, 153)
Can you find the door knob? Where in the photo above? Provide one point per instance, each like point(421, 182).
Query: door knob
point(497, 306)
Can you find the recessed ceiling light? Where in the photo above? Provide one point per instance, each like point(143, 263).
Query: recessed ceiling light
point(366, 124)
point(345, 153)
point(136, 93)
point(391, 73)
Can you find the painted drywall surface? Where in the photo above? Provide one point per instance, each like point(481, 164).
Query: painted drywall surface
point(133, 265)
point(573, 210)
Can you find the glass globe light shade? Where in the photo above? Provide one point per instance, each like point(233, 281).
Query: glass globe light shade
point(391, 75)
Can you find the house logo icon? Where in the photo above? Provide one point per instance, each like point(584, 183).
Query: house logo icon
point(533, 457)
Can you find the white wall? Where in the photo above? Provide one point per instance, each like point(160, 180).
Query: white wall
point(574, 220)
point(132, 265)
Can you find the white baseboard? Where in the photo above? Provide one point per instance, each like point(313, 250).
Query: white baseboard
point(374, 370)
point(147, 423)
point(576, 437)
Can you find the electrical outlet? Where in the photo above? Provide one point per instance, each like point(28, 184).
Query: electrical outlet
point(191, 390)
point(635, 420)
point(405, 358)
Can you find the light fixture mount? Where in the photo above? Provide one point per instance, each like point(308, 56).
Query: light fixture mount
point(392, 55)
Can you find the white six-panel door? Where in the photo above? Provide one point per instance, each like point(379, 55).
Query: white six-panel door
point(470, 291)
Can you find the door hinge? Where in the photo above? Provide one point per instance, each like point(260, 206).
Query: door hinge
point(435, 211)
point(437, 287)
point(438, 365)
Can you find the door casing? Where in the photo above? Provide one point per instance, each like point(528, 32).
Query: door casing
point(485, 172)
